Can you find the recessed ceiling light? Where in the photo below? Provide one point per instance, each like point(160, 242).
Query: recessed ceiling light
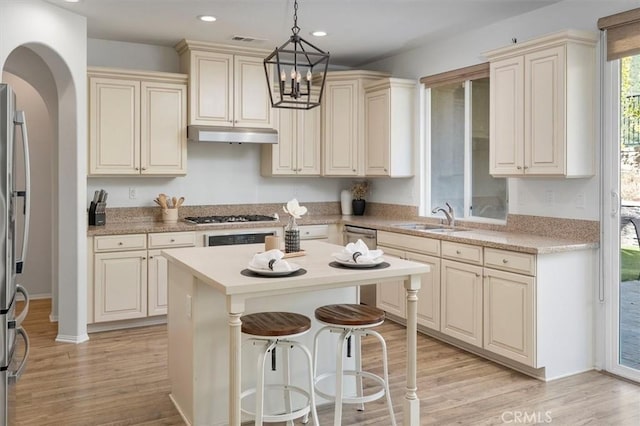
point(319, 33)
point(72, 1)
point(207, 18)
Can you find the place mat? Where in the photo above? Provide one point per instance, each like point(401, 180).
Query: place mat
point(337, 265)
point(248, 273)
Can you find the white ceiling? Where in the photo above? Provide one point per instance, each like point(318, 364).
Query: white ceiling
point(359, 30)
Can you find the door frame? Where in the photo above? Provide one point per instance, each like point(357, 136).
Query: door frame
point(608, 292)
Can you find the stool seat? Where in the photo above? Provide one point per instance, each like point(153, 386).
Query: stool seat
point(275, 324)
point(349, 314)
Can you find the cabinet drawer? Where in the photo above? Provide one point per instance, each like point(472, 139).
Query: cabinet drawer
point(120, 242)
point(314, 232)
point(409, 242)
point(172, 239)
point(463, 252)
point(522, 263)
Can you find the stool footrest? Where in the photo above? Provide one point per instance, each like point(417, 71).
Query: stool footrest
point(351, 399)
point(271, 418)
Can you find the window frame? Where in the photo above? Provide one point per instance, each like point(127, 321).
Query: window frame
point(464, 76)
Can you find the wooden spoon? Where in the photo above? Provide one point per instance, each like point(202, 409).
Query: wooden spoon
point(180, 201)
point(174, 200)
point(163, 200)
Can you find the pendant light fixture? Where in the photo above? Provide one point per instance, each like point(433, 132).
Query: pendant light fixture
point(290, 71)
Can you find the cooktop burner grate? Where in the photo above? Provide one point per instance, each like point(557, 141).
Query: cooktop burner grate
point(203, 220)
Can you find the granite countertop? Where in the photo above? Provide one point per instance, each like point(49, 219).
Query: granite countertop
point(515, 241)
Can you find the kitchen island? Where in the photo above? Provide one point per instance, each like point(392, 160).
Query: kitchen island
point(208, 295)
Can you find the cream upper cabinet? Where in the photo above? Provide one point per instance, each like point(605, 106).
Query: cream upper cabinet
point(542, 107)
point(137, 123)
point(389, 127)
point(227, 85)
point(298, 149)
point(343, 122)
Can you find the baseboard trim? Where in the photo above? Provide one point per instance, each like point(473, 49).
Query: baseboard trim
point(120, 325)
point(72, 339)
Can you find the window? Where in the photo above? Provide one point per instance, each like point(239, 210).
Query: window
point(457, 147)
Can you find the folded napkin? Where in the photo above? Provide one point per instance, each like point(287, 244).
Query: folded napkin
point(270, 261)
point(358, 252)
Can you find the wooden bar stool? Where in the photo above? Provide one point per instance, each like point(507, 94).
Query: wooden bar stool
point(351, 320)
point(274, 330)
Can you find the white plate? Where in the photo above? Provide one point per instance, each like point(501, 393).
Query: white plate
point(376, 262)
point(268, 273)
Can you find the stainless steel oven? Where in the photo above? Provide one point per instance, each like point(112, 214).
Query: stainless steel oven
point(351, 234)
point(225, 237)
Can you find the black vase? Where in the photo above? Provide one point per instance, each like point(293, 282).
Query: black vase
point(358, 207)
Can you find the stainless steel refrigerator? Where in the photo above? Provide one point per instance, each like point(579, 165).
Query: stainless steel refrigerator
point(14, 342)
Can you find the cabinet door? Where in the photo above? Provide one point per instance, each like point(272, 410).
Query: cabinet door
point(252, 106)
point(211, 89)
point(308, 142)
point(506, 115)
point(377, 133)
point(461, 301)
point(340, 124)
point(157, 283)
point(283, 154)
point(390, 296)
point(544, 112)
point(429, 294)
point(120, 285)
point(114, 126)
point(509, 315)
point(163, 128)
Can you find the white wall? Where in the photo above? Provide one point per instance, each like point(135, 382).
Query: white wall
point(526, 196)
point(216, 173)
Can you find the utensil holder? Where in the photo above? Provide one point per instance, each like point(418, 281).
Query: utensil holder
point(170, 215)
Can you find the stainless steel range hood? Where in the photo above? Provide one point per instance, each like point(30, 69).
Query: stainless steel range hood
point(231, 134)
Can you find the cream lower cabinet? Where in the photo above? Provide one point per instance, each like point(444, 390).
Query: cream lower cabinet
point(461, 301)
point(137, 123)
point(120, 277)
point(391, 297)
point(129, 281)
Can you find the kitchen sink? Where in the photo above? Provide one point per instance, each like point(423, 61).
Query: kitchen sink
point(426, 227)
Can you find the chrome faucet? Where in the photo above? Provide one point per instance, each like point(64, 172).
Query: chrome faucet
point(451, 220)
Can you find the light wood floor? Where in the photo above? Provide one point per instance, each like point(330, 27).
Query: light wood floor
point(120, 378)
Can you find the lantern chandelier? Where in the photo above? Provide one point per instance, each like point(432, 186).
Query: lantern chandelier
point(292, 65)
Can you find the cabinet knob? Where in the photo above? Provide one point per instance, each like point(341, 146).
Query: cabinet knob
point(458, 252)
point(354, 170)
point(144, 258)
point(172, 240)
point(526, 167)
point(120, 243)
point(385, 169)
point(477, 275)
point(137, 168)
point(519, 167)
point(150, 257)
point(144, 168)
point(505, 261)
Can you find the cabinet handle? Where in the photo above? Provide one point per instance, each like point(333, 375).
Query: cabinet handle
point(519, 167)
point(526, 167)
point(150, 257)
point(137, 168)
point(458, 252)
point(172, 240)
point(505, 261)
point(477, 275)
point(354, 170)
point(144, 258)
point(144, 168)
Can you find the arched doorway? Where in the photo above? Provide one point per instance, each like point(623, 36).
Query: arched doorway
point(46, 72)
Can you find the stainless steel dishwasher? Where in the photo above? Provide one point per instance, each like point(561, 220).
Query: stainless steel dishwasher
point(351, 234)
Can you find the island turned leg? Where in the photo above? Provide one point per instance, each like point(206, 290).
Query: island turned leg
point(235, 309)
point(411, 402)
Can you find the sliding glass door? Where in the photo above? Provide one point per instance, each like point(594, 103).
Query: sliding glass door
point(620, 292)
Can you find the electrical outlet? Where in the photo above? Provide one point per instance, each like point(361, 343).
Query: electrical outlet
point(579, 200)
point(132, 193)
point(548, 197)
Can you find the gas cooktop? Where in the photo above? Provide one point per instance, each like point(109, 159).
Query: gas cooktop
point(205, 220)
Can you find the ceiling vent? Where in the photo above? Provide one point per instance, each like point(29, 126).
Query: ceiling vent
point(247, 39)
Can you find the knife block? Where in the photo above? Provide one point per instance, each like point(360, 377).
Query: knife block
point(97, 214)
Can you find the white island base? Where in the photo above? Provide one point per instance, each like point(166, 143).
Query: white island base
point(199, 346)
point(209, 366)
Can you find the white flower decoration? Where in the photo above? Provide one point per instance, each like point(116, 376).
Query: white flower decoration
point(294, 209)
